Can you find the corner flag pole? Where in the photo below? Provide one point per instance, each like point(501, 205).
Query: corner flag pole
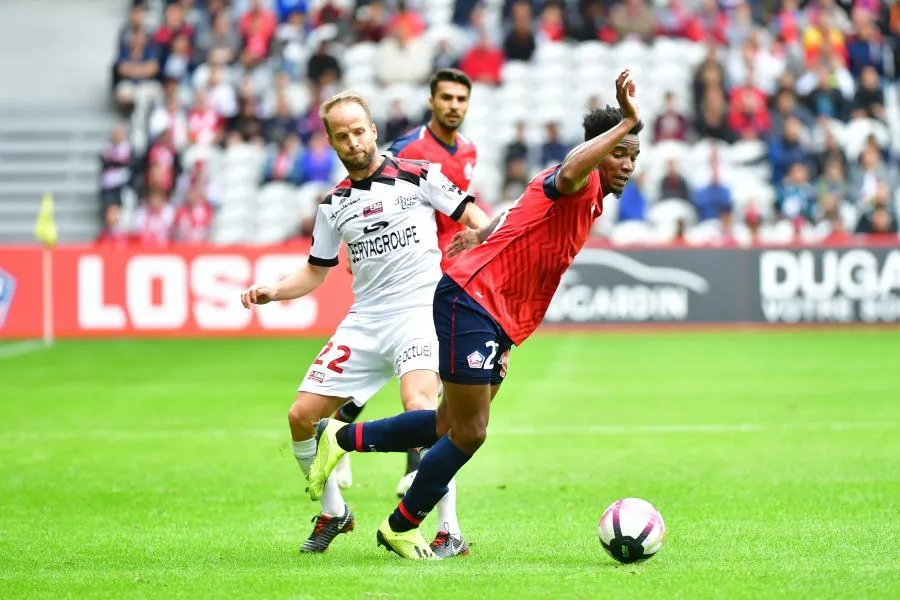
point(45, 232)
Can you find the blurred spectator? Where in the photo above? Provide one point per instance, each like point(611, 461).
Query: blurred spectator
point(712, 121)
point(204, 125)
point(483, 62)
point(587, 22)
point(445, 56)
point(257, 28)
point(553, 150)
point(786, 107)
point(370, 22)
point(866, 48)
point(282, 124)
point(670, 124)
point(787, 149)
point(170, 117)
point(198, 178)
point(715, 197)
point(115, 164)
point(407, 19)
point(739, 26)
point(283, 162)
point(551, 27)
point(137, 65)
point(866, 176)
point(193, 219)
point(322, 62)
point(218, 45)
point(113, 234)
point(246, 127)
point(824, 97)
point(222, 96)
point(796, 197)
point(632, 18)
point(161, 163)
point(869, 101)
point(878, 222)
point(710, 23)
point(518, 149)
point(135, 25)
point(748, 116)
point(633, 202)
point(154, 221)
point(179, 65)
point(833, 13)
point(673, 19)
point(403, 59)
point(789, 22)
point(285, 9)
point(673, 185)
point(319, 160)
point(515, 179)
point(833, 181)
point(709, 76)
point(174, 25)
point(397, 123)
point(290, 40)
point(520, 43)
point(831, 150)
point(757, 64)
point(822, 36)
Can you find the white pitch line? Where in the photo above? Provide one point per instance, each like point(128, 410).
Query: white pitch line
point(20, 348)
point(520, 431)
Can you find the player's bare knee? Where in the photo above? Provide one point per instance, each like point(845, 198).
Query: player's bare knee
point(418, 401)
point(470, 437)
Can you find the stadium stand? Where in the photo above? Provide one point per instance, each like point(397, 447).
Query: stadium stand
point(767, 122)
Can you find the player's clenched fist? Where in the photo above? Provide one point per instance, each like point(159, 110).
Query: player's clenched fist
point(257, 294)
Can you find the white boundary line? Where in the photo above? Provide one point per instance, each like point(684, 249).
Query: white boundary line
point(11, 349)
point(524, 431)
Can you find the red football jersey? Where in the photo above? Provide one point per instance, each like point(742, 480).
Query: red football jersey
point(515, 273)
point(457, 163)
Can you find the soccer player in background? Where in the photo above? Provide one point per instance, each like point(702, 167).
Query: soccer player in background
point(439, 142)
point(384, 211)
point(493, 297)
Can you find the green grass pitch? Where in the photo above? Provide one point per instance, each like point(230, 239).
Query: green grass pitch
point(162, 469)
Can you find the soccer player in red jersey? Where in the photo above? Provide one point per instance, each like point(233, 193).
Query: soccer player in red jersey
point(439, 142)
point(493, 297)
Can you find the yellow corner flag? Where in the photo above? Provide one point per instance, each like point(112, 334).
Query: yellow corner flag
point(45, 226)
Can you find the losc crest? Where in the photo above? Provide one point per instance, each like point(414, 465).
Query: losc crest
point(830, 286)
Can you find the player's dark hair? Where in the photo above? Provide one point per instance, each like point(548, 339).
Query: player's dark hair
point(454, 75)
point(601, 120)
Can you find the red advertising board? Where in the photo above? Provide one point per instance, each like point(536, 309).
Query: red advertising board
point(188, 291)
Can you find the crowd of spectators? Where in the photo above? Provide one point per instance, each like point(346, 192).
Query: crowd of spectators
point(783, 75)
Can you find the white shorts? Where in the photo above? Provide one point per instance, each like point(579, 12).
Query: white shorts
point(365, 352)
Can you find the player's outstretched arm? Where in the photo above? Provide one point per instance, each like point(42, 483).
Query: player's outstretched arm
point(469, 238)
point(574, 172)
point(473, 217)
point(299, 283)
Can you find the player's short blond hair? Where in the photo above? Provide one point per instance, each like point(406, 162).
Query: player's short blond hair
point(340, 98)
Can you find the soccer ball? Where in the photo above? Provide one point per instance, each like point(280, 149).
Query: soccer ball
point(631, 530)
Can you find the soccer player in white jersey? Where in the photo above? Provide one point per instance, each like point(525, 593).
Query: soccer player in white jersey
point(384, 211)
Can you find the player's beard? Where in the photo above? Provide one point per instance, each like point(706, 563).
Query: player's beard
point(358, 162)
point(451, 126)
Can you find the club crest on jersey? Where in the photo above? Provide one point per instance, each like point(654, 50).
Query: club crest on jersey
point(7, 292)
point(373, 209)
point(476, 359)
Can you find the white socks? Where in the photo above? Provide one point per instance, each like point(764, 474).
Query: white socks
point(447, 519)
point(332, 500)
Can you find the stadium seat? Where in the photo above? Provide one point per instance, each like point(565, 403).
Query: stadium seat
point(745, 152)
point(554, 54)
point(515, 72)
point(858, 131)
point(779, 233)
point(668, 211)
point(632, 233)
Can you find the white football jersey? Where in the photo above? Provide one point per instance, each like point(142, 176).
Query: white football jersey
point(388, 223)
